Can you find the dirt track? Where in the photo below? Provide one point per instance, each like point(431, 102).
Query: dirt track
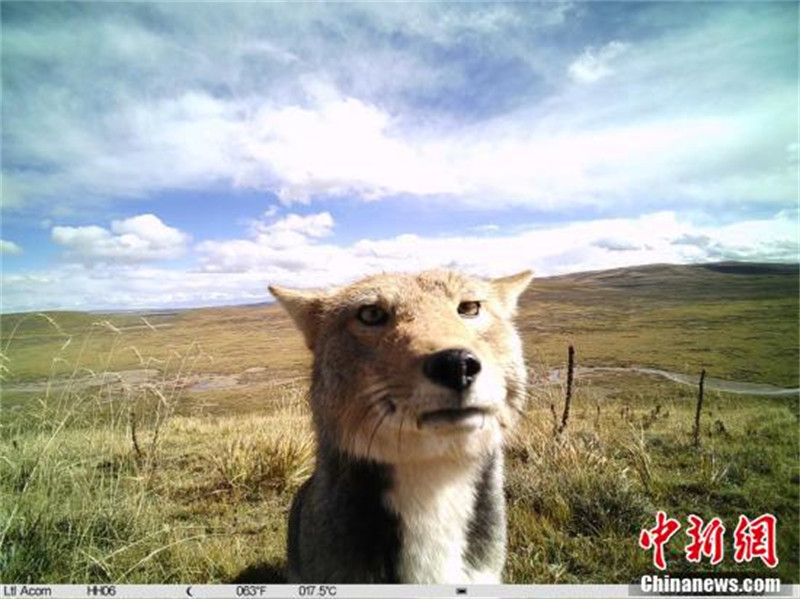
point(710, 383)
point(127, 380)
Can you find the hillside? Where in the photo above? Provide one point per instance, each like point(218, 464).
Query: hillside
point(665, 283)
point(738, 320)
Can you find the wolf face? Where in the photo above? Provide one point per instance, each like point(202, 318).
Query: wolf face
point(413, 368)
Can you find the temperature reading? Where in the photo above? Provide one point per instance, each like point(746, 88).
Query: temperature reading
point(317, 590)
point(251, 590)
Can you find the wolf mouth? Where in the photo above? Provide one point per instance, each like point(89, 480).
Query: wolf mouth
point(452, 416)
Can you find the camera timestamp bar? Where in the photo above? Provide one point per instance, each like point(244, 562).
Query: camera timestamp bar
point(329, 591)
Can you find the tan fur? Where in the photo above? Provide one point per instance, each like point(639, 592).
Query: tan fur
point(359, 368)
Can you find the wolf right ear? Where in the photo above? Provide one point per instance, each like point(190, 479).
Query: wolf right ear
point(305, 308)
point(510, 288)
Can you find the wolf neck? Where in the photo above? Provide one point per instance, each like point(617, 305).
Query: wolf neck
point(435, 504)
point(435, 523)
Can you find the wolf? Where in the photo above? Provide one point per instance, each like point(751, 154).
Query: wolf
point(416, 380)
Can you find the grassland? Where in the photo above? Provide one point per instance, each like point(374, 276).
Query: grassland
point(164, 480)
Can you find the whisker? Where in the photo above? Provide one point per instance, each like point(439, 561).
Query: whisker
point(360, 416)
point(376, 399)
point(400, 434)
point(374, 389)
point(386, 413)
point(352, 432)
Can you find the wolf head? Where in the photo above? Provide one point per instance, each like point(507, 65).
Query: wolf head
point(409, 368)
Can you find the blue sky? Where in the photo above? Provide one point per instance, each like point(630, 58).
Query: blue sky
point(184, 154)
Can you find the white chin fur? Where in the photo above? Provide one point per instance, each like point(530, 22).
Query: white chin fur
point(400, 440)
point(391, 445)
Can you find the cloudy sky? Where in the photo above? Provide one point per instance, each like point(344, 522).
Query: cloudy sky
point(192, 153)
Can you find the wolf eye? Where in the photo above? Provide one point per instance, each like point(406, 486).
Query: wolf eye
point(372, 315)
point(469, 309)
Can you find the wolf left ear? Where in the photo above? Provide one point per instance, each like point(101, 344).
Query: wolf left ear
point(305, 308)
point(508, 289)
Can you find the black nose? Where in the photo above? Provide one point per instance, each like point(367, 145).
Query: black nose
point(453, 368)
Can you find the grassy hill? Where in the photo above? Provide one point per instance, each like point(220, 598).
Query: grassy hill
point(737, 320)
point(165, 446)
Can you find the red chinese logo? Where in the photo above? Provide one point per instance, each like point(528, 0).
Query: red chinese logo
point(752, 539)
point(705, 540)
point(756, 538)
point(658, 536)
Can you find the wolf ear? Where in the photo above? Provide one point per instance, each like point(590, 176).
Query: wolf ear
point(508, 289)
point(305, 308)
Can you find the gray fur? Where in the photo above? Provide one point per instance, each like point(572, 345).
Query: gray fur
point(486, 549)
point(339, 530)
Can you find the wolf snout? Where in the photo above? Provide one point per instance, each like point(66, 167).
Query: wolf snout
point(453, 368)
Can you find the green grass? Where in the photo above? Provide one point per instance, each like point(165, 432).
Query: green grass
point(231, 339)
point(578, 502)
point(742, 327)
point(200, 491)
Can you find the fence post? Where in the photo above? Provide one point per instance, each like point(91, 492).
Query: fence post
point(699, 408)
point(570, 378)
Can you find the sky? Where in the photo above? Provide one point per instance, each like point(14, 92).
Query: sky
point(186, 154)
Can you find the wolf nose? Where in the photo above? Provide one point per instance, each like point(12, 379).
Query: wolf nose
point(453, 368)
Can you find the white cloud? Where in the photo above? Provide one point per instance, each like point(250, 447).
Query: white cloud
point(371, 102)
point(124, 286)
point(591, 245)
point(149, 228)
point(340, 145)
point(293, 229)
point(136, 239)
point(447, 24)
point(595, 64)
point(9, 247)
point(239, 270)
point(344, 146)
point(288, 242)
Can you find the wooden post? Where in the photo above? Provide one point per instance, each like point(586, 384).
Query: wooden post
point(136, 447)
point(699, 408)
point(570, 378)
